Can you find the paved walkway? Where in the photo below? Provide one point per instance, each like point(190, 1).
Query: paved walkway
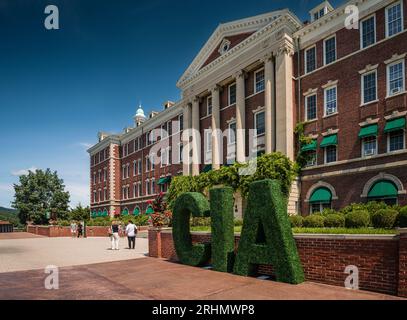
point(22, 251)
point(151, 278)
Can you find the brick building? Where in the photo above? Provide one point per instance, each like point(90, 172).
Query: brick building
point(268, 73)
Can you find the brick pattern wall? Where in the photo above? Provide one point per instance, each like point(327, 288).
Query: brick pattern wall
point(58, 231)
point(382, 265)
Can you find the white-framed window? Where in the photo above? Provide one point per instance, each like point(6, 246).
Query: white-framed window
point(100, 195)
point(139, 166)
point(153, 186)
point(331, 154)
point(94, 177)
point(394, 19)
point(318, 207)
point(94, 196)
point(311, 107)
point(169, 128)
point(369, 146)
point(147, 163)
point(329, 50)
point(139, 189)
point(396, 140)
point(181, 122)
point(180, 149)
point(232, 133)
point(164, 131)
point(395, 78)
point(105, 194)
point(134, 168)
point(147, 187)
point(208, 141)
point(104, 174)
point(259, 82)
point(259, 123)
point(310, 57)
point(135, 191)
point(128, 170)
point(369, 87)
point(232, 94)
point(100, 176)
point(368, 31)
point(311, 158)
point(209, 106)
point(152, 161)
point(330, 101)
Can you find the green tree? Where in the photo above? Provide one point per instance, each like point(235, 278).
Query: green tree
point(80, 213)
point(39, 196)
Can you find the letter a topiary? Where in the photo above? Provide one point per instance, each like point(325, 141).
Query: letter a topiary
point(196, 204)
point(266, 216)
point(223, 237)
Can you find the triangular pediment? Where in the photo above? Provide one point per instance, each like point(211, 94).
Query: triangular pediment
point(229, 35)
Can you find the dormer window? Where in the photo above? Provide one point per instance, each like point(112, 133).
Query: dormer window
point(224, 47)
point(320, 10)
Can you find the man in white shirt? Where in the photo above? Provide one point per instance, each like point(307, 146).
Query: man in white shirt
point(131, 231)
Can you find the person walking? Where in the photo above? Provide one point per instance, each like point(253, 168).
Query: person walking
point(80, 230)
point(131, 231)
point(74, 228)
point(114, 231)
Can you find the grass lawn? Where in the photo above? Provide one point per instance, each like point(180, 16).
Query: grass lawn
point(319, 230)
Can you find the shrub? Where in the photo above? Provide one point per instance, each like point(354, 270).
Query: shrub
point(314, 221)
point(200, 221)
point(384, 218)
point(63, 223)
point(334, 221)
point(327, 212)
point(357, 219)
point(402, 218)
point(296, 221)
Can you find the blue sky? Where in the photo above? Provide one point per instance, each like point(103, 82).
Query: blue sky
point(59, 88)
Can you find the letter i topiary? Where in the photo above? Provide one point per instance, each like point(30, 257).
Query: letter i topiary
point(196, 204)
point(266, 215)
point(222, 222)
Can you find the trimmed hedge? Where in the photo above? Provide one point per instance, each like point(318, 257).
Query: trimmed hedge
point(196, 204)
point(402, 218)
point(223, 236)
point(266, 236)
point(334, 221)
point(384, 218)
point(296, 221)
point(357, 219)
point(314, 221)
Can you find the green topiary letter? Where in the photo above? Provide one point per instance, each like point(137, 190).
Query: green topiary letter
point(266, 217)
point(223, 237)
point(196, 204)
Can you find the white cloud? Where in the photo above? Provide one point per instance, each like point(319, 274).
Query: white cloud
point(85, 145)
point(6, 187)
point(79, 193)
point(22, 172)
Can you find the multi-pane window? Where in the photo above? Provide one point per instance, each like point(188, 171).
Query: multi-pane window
point(369, 87)
point(395, 78)
point(259, 81)
point(331, 105)
point(209, 106)
point(152, 161)
point(311, 158)
point(147, 187)
point(330, 50)
point(232, 94)
point(330, 154)
point(369, 146)
point(318, 207)
point(232, 133)
point(139, 189)
point(394, 19)
point(152, 186)
point(134, 167)
point(181, 148)
point(310, 59)
point(100, 195)
point(105, 194)
point(135, 192)
point(147, 164)
point(259, 123)
point(105, 174)
point(396, 140)
point(94, 178)
point(368, 31)
point(208, 140)
point(139, 166)
point(311, 107)
point(94, 196)
point(181, 122)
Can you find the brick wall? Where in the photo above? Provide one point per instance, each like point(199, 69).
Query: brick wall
point(58, 231)
point(381, 260)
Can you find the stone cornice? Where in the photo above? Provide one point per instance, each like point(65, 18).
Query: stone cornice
point(112, 139)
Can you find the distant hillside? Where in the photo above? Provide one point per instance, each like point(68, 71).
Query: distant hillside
point(9, 215)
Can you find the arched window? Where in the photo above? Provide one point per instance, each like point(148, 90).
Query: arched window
point(125, 212)
point(93, 214)
point(105, 213)
point(320, 199)
point(136, 211)
point(149, 210)
point(383, 190)
point(99, 213)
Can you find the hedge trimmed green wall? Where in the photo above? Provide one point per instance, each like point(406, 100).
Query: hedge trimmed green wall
point(222, 222)
point(266, 216)
point(196, 204)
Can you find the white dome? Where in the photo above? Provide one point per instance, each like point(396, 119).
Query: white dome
point(140, 113)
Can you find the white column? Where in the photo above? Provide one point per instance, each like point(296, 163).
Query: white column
point(240, 117)
point(284, 101)
point(186, 125)
point(195, 137)
point(269, 103)
point(215, 91)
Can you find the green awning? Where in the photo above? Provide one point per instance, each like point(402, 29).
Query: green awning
point(331, 140)
point(125, 212)
point(207, 168)
point(321, 195)
point(99, 213)
point(312, 146)
point(105, 213)
point(136, 211)
point(368, 131)
point(150, 210)
point(396, 124)
point(383, 189)
point(164, 180)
